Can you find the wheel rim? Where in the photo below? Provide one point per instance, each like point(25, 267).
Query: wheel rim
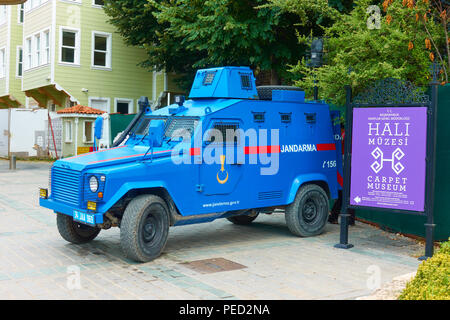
point(151, 228)
point(310, 211)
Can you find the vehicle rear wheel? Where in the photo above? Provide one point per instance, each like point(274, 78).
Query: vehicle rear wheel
point(244, 219)
point(308, 214)
point(75, 232)
point(144, 228)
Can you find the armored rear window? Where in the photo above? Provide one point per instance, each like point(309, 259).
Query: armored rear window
point(209, 78)
point(246, 82)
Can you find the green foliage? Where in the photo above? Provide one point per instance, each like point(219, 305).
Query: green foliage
point(184, 35)
point(432, 281)
point(358, 55)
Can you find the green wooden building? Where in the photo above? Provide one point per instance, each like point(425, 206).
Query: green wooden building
point(60, 53)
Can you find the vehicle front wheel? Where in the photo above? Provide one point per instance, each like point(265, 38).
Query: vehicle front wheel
point(308, 214)
point(74, 232)
point(144, 228)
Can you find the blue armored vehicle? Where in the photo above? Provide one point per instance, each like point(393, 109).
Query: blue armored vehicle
point(231, 150)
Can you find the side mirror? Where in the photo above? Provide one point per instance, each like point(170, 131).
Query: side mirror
point(156, 133)
point(98, 127)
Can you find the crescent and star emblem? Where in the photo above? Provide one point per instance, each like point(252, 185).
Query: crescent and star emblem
point(222, 160)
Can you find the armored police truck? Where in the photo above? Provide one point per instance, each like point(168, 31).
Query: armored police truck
point(231, 150)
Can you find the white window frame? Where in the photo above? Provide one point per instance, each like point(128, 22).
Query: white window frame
point(77, 46)
point(108, 102)
point(33, 4)
point(84, 131)
point(20, 9)
point(108, 58)
point(35, 52)
point(3, 62)
point(18, 62)
point(122, 100)
point(37, 45)
point(96, 5)
point(28, 53)
point(46, 57)
point(68, 134)
point(3, 14)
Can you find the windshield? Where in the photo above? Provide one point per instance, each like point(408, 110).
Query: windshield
point(171, 125)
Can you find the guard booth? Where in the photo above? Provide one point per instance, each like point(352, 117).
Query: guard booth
point(78, 129)
point(413, 224)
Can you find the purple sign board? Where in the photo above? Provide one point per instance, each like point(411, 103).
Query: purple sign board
point(388, 165)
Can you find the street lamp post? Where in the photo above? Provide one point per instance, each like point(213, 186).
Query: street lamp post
point(316, 61)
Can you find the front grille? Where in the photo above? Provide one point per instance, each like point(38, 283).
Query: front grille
point(66, 185)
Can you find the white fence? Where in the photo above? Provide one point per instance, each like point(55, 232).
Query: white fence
point(29, 132)
point(4, 121)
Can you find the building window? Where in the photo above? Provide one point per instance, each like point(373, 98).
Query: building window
point(46, 47)
point(19, 61)
point(2, 63)
point(98, 3)
point(37, 52)
point(68, 132)
point(31, 4)
point(99, 103)
point(20, 13)
point(101, 50)
point(88, 131)
point(124, 106)
point(3, 14)
point(29, 49)
point(70, 46)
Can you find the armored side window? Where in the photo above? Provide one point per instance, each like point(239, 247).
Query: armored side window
point(209, 78)
point(310, 117)
point(185, 126)
point(286, 117)
point(246, 83)
point(259, 116)
point(227, 130)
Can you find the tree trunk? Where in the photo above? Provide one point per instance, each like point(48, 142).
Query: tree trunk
point(274, 78)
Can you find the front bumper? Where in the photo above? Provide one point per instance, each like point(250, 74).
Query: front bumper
point(87, 217)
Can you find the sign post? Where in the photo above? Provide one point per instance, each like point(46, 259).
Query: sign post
point(389, 157)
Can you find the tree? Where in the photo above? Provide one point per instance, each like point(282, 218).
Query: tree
point(184, 35)
point(426, 12)
point(360, 52)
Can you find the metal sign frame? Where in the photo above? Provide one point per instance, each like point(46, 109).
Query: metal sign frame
point(390, 93)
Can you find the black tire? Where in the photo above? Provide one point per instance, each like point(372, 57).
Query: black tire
point(144, 228)
point(307, 216)
point(242, 219)
point(74, 232)
point(265, 92)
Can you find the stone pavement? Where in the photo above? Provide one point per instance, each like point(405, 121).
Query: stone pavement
point(36, 263)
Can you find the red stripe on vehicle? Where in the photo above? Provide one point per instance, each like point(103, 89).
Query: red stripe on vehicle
point(326, 147)
point(119, 158)
point(85, 154)
point(131, 156)
point(262, 149)
point(340, 180)
point(195, 151)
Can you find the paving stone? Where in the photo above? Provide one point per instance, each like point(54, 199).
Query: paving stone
point(35, 262)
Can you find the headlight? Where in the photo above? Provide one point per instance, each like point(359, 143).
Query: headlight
point(93, 184)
